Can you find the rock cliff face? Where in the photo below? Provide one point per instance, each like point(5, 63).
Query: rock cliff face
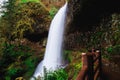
point(84, 14)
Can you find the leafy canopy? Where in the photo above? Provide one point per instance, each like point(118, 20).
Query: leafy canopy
point(25, 1)
point(20, 18)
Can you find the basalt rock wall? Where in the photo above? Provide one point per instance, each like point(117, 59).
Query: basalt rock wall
point(85, 15)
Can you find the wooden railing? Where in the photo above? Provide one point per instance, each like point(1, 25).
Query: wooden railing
point(91, 66)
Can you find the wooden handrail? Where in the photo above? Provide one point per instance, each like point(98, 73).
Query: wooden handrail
point(91, 66)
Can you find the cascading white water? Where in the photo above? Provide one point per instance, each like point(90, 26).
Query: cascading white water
point(53, 58)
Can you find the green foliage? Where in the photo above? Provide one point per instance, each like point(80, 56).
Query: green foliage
point(113, 50)
point(74, 65)
point(7, 78)
point(78, 66)
point(53, 11)
point(67, 56)
point(19, 18)
point(12, 71)
point(15, 61)
point(2, 41)
point(107, 36)
point(106, 56)
point(25, 1)
point(109, 50)
point(59, 74)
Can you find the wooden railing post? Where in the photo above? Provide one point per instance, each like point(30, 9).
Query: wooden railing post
point(83, 72)
point(90, 67)
point(99, 63)
point(84, 60)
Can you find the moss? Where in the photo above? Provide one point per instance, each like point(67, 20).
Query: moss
point(25, 1)
point(74, 65)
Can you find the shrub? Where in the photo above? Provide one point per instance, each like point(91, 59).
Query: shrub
point(113, 50)
point(53, 11)
point(16, 60)
point(59, 74)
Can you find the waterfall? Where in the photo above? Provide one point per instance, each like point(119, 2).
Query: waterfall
point(53, 58)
